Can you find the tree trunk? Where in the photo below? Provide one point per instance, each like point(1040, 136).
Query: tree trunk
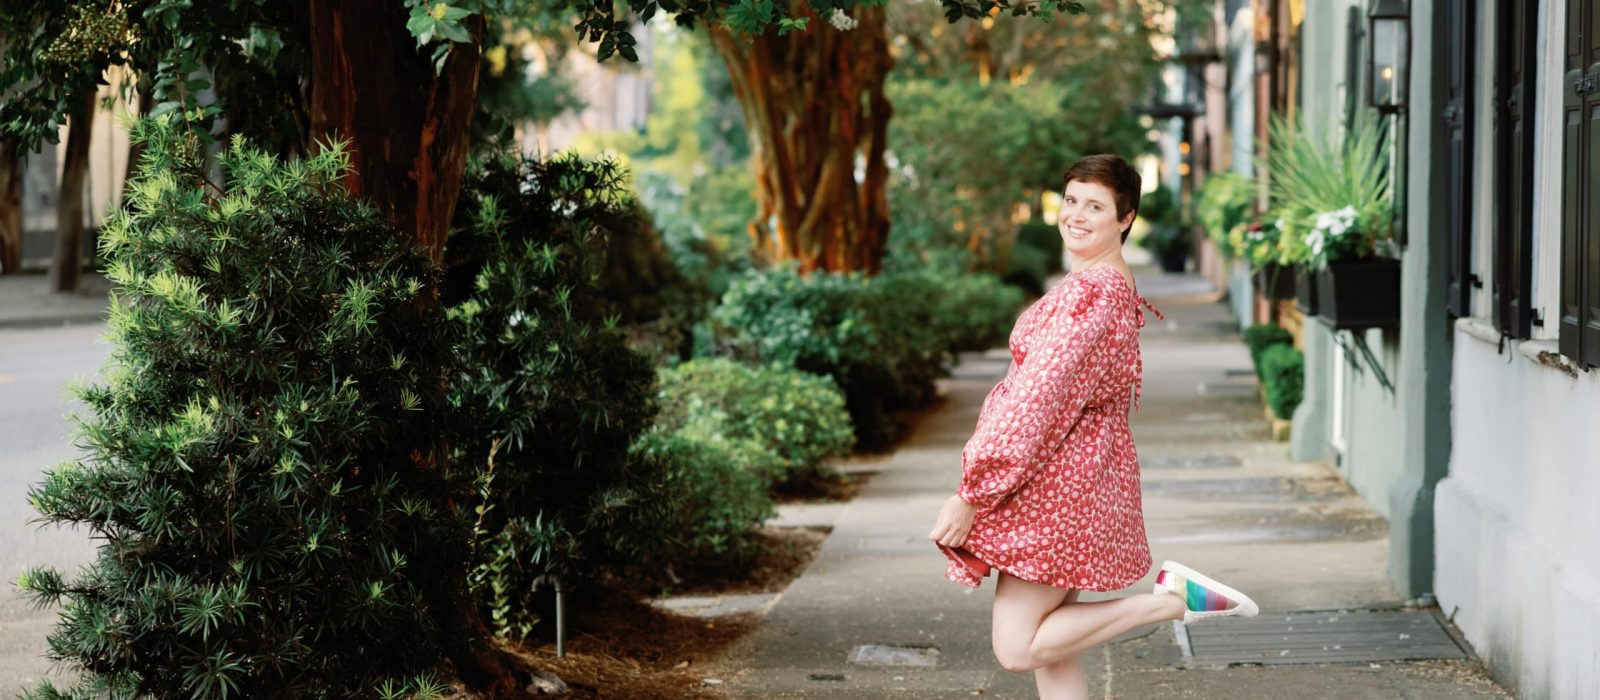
point(408, 126)
point(814, 104)
point(146, 102)
point(10, 207)
point(68, 264)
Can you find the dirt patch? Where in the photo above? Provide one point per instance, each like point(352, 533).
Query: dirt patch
point(827, 487)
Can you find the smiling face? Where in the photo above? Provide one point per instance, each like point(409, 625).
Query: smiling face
point(1088, 219)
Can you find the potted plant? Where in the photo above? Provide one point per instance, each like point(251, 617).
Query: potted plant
point(1335, 217)
point(1166, 238)
point(1170, 246)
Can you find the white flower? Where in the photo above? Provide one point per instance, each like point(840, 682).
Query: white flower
point(1314, 240)
point(842, 21)
point(1335, 223)
point(1278, 223)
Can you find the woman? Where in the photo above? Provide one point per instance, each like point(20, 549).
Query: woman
point(1049, 491)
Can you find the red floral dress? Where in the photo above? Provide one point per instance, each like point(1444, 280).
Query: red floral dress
point(1051, 465)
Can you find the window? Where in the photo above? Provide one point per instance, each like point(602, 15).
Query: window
point(1580, 181)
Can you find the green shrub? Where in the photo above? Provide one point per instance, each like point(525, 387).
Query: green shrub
point(1043, 237)
point(719, 489)
point(875, 340)
point(546, 375)
point(1223, 204)
point(1261, 336)
point(798, 416)
point(264, 469)
point(1283, 373)
point(1027, 269)
point(965, 310)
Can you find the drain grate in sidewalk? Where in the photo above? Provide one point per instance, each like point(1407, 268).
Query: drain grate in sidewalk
point(1319, 638)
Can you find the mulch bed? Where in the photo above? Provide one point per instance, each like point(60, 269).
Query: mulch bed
point(624, 648)
point(619, 646)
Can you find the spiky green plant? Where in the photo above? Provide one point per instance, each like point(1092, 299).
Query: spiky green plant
point(1330, 195)
point(261, 468)
point(550, 378)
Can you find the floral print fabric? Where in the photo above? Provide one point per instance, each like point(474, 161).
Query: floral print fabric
point(1051, 465)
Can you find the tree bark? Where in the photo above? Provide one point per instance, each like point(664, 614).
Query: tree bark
point(814, 104)
point(146, 102)
point(408, 126)
point(67, 267)
point(10, 207)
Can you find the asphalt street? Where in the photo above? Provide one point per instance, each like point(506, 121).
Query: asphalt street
point(36, 367)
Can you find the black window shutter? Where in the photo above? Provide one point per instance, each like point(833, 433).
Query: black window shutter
point(1580, 252)
point(1514, 115)
point(1572, 176)
point(1458, 158)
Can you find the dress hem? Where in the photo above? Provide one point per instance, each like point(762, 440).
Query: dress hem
point(958, 571)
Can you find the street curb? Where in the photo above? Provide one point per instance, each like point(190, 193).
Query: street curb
point(62, 321)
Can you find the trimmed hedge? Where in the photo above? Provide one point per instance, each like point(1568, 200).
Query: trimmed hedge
point(1283, 375)
point(878, 346)
point(800, 417)
point(720, 491)
point(1261, 336)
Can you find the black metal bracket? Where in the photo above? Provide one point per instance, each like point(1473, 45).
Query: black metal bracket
point(1363, 351)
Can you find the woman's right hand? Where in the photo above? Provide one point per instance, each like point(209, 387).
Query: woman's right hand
point(955, 521)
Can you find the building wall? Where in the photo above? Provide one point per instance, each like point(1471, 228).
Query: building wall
point(102, 189)
point(1517, 523)
point(1378, 399)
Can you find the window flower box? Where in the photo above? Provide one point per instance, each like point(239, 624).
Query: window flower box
point(1362, 293)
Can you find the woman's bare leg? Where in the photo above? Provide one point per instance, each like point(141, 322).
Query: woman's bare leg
point(1062, 680)
point(1033, 629)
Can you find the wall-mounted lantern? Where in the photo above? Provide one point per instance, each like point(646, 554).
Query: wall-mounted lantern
point(1390, 51)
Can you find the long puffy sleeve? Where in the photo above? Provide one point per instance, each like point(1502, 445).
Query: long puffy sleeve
point(1046, 392)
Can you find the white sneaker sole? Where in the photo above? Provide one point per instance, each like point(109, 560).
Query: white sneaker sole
point(1245, 608)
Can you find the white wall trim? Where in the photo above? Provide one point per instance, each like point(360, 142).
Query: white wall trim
point(1545, 353)
point(1479, 328)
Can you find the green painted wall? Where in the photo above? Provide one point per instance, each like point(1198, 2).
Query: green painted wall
point(1397, 441)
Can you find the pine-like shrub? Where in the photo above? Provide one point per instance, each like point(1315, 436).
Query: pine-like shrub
point(798, 416)
point(263, 466)
point(549, 379)
point(1283, 374)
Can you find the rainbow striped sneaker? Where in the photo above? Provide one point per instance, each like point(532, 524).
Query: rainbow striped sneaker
point(1203, 596)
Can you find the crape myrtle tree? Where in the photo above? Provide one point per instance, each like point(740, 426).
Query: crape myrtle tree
point(809, 75)
point(396, 78)
point(1033, 98)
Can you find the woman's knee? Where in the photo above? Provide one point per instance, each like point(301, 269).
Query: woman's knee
point(1014, 658)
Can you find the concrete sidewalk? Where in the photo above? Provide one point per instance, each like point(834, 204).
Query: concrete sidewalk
point(27, 302)
point(1219, 496)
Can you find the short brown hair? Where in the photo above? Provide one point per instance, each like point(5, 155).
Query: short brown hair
point(1113, 173)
